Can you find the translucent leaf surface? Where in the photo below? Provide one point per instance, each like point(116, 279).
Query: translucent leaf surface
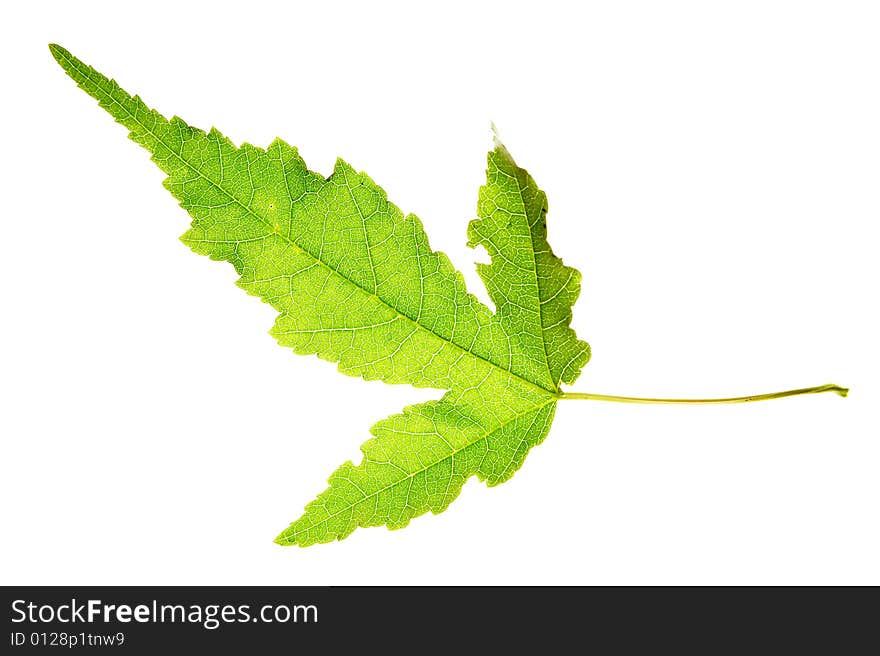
point(355, 282)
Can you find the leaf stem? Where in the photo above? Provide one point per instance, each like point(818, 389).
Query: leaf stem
point(587, 396)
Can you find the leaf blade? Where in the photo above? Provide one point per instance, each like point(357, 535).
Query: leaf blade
point(356, 283)
point(532, 289)
point(251, 226)
point(417, 462)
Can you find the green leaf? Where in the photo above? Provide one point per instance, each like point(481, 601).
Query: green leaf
point(355, 282)
point(419, 460)
point(531, 288)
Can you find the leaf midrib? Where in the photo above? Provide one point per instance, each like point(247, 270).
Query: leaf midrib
point(534, 254)
point(77, 63)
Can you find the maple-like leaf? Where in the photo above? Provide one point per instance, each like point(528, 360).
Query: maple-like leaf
point(355, 282)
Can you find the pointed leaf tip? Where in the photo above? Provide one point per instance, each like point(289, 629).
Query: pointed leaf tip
point(499, 148)
point(59, 53)
point(67, 61)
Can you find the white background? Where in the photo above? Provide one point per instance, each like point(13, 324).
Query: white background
point(712, 169)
